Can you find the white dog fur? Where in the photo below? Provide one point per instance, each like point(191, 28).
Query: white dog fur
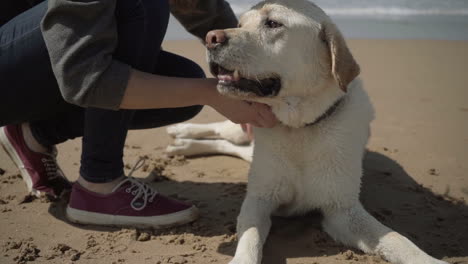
point(298, 167)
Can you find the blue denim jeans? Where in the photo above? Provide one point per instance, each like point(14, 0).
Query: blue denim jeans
point(29, 90)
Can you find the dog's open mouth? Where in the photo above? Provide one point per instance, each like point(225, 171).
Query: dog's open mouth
point(233, 81)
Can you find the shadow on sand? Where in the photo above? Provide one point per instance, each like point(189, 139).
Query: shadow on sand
point(437, 224)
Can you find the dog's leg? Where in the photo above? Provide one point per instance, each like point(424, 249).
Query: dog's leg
point(232, 133)
point(356, 227)
point(253, 225)
point(192, 147)
point(223, 130)
point(190, 130)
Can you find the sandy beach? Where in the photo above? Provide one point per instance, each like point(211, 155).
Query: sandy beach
point(415, 178)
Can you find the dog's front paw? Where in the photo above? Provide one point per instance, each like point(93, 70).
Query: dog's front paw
point(179, 131)
point(238, 261)
point(436, 261)
point(424, 260)
point(244, 260)
point(180, 147)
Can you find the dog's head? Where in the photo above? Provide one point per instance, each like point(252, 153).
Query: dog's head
point(282, 48)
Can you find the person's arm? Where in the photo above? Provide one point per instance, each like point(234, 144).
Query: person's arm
point(148, 91)
point(81, 37)
point(206, 15)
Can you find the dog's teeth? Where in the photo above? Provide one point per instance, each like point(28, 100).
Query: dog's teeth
point(236, 75)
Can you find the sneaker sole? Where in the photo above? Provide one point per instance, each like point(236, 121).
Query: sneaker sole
point(10, 150)
point(162, 221)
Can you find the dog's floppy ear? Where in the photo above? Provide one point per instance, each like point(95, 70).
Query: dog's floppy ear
point(343, 66)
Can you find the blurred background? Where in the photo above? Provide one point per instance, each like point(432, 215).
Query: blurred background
point(395, 19)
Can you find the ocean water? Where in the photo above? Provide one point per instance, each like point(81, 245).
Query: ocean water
point(382, 19)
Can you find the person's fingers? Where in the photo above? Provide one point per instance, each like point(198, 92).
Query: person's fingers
point(244, 127)
point(250, 133)
point(248, 102)
point(246, 112)
point(255, 123)
point(259, 115)
point(267, 118)
point(252, 111)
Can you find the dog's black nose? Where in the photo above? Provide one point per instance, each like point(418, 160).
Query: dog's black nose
point(214, 38)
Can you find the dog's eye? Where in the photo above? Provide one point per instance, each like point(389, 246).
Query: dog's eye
point(273, 24)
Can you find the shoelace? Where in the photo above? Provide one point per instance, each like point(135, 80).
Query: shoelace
point(140, 190)
point(50, 164)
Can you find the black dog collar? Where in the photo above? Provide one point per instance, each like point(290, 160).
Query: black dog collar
point(327, 113)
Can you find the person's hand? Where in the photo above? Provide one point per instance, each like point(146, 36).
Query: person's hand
point(247, 128)
point(240, 112)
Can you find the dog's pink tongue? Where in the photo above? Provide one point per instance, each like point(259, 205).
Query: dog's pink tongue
point(229, 77)
point(225, 77)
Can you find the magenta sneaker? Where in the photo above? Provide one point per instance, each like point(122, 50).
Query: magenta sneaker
point(40, 171)
point(131, 203)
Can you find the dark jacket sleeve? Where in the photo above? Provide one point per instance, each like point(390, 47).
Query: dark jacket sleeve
point(81, 37)
point(206, 16)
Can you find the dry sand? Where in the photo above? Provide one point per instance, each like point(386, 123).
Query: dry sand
point(415, 177)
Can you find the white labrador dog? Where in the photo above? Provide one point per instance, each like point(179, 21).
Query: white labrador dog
point(289, 55)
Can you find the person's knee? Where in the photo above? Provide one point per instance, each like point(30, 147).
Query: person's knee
point(141, 27)
point(170, 64)
point(190, 112)
point(157, 16)
point(193, 70)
